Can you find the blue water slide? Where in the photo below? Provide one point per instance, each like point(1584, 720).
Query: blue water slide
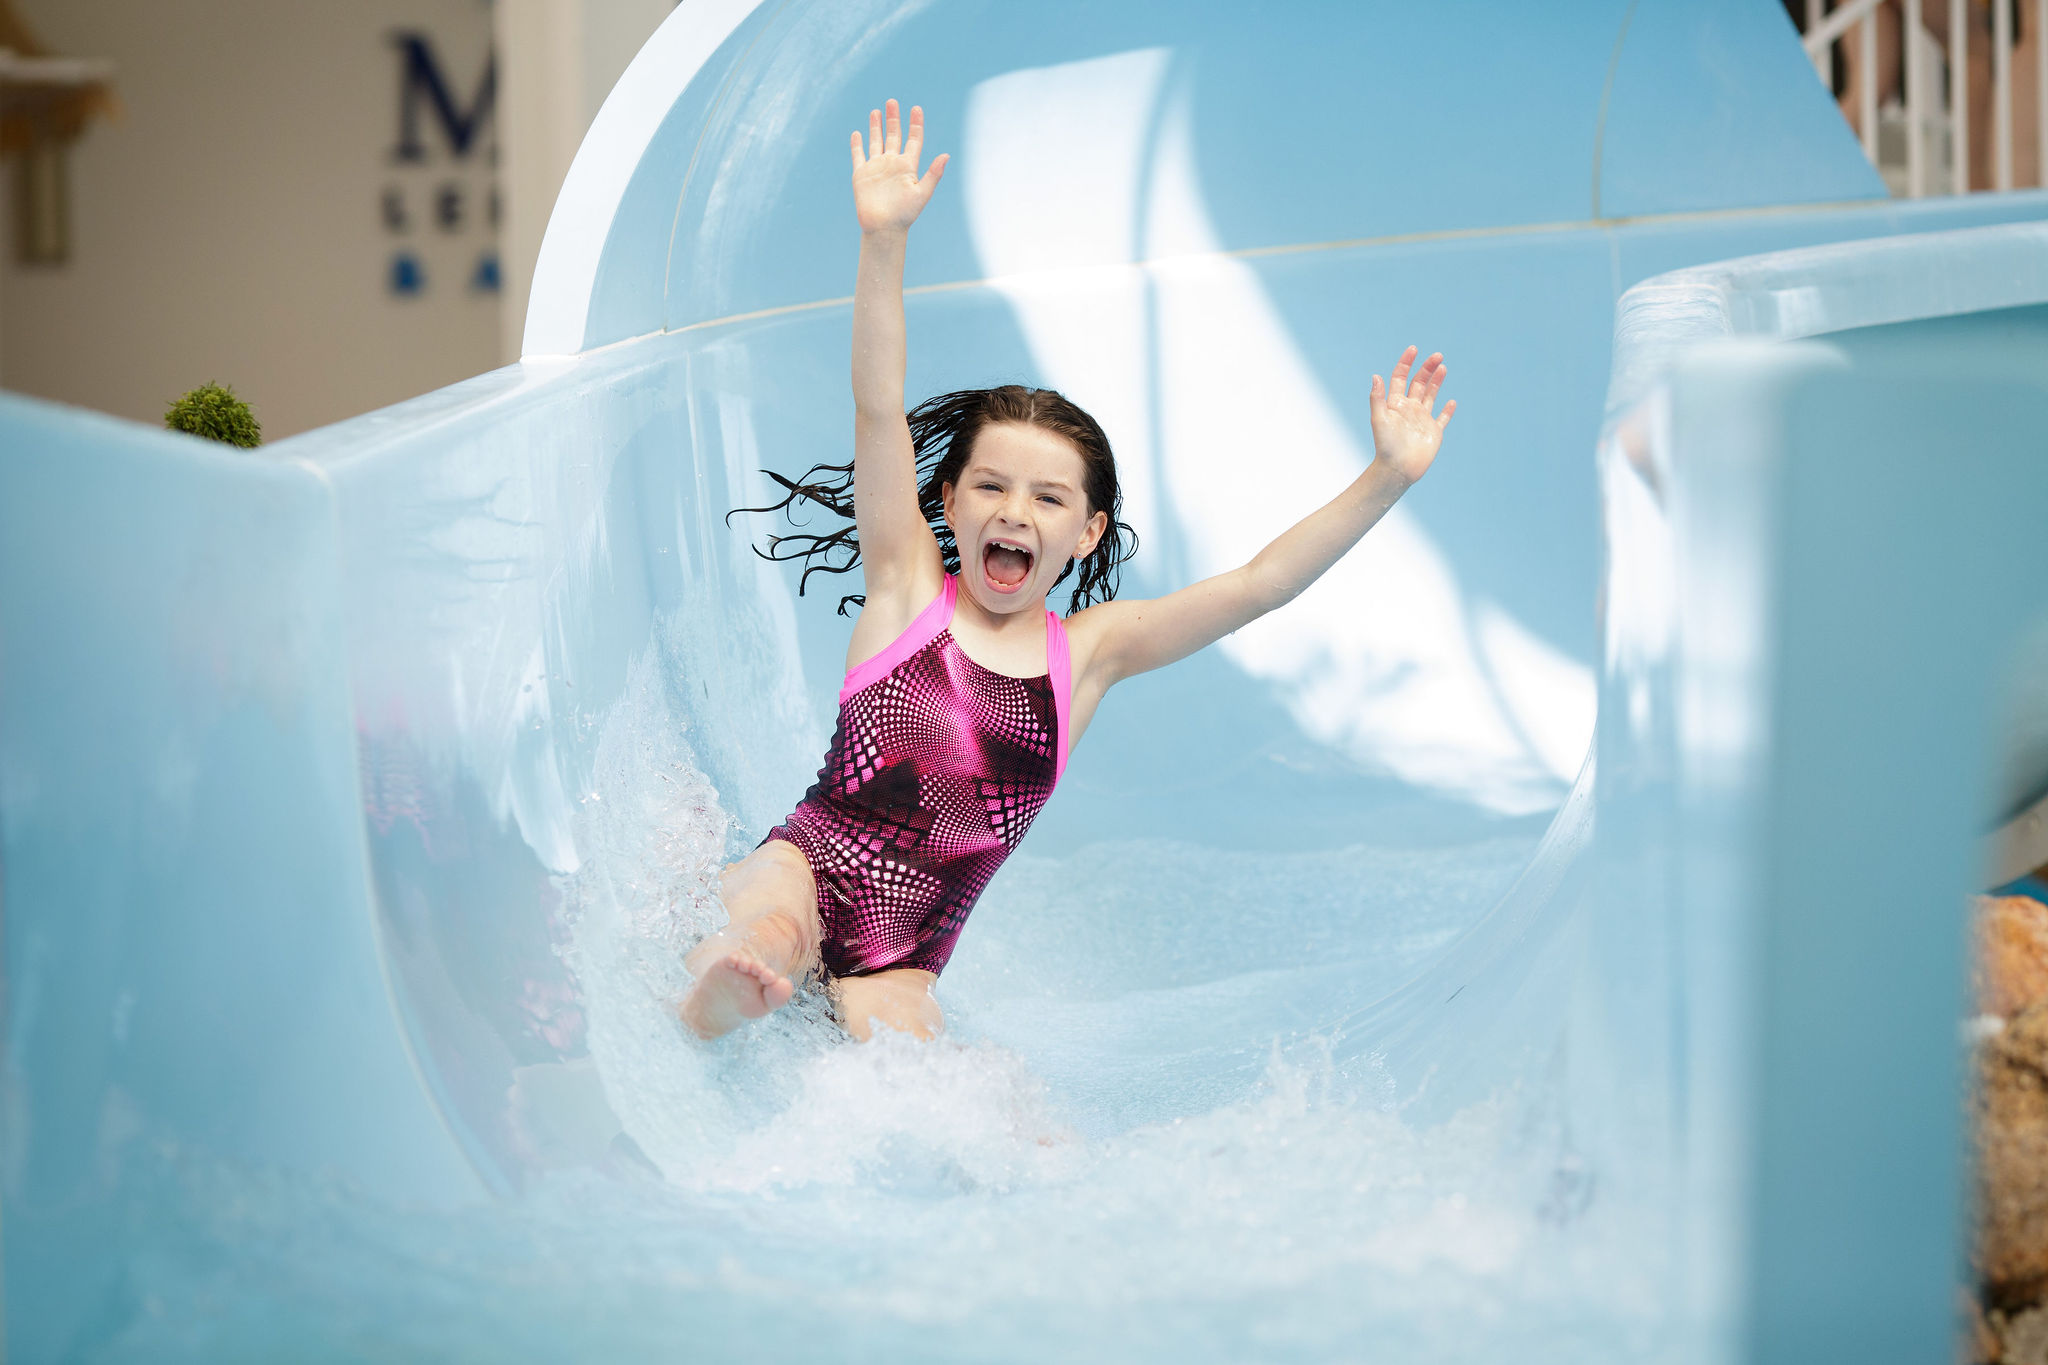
point(1539, 937)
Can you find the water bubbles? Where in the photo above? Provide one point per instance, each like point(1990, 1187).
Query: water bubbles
point(1137, 1141)
point(1124, 1095)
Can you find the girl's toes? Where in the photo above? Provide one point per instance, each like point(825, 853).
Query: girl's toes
point(775, 994)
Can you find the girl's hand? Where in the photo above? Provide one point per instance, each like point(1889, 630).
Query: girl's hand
point(1405, 435)
point(888, 194)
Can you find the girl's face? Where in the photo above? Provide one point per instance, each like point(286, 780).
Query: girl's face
point(1018, 514)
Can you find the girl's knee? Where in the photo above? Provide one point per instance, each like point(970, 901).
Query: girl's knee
point(770, 894)
point(774, 865)
point(919, 1014)
point(899, 1006)
point(784, 937)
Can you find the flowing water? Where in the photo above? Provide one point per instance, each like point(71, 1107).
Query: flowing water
point(1136, 1140)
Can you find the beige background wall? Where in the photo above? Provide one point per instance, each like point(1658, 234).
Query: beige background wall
point(558, 61)
point(230, 226)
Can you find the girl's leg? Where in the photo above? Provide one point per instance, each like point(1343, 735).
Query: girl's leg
point(744, 970)
point(900, 1000)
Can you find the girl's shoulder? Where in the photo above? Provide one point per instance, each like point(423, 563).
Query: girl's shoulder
point(1089, 628)
point(891, 609)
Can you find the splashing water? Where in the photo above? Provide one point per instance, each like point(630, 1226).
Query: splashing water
point(1135, 1141)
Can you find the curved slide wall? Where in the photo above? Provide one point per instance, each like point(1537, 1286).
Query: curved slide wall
point(1791, 580)
point(301, 755)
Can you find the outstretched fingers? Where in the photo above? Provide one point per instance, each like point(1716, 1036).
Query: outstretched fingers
point(1416, 382)
point(1437, 371)
point(930, 180)
point(891, 134)
point(1427, 377)
point(1397, 384)
point(1445, 420)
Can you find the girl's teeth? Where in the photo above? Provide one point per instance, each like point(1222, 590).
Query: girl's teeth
point(1006, 565)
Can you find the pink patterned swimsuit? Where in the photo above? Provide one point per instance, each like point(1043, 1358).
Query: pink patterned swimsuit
point(936, 770)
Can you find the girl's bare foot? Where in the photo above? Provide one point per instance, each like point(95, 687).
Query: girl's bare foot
point(731, 991)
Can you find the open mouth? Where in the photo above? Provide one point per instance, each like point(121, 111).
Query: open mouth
point(1006, 567)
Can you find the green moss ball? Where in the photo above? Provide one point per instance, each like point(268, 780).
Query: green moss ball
point(213, 411)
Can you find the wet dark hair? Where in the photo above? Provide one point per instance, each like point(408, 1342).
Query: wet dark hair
point(942, 433)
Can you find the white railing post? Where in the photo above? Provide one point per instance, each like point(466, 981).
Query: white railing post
point(1959, 96)
point(2001, 89)
point(1828, 25)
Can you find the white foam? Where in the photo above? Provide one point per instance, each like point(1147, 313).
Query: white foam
point(1136, 1141)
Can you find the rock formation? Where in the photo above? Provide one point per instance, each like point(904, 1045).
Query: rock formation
point(2009, 1131)
point(2011, 1104)
point(2011, 961)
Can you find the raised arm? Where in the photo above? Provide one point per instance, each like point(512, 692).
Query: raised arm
point(1123, 638)
point(896, 546)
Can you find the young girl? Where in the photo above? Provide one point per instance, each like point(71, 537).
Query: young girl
point(963, 693)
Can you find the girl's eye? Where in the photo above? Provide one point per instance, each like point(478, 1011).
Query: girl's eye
point(1047, 497)
point(988, 488)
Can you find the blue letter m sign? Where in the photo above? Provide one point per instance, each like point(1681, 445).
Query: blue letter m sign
point(422, 83)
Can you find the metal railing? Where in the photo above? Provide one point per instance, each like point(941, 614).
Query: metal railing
point(1929, 106)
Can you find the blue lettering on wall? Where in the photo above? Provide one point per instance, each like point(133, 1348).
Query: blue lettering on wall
point(422, 86)
point(407, 277)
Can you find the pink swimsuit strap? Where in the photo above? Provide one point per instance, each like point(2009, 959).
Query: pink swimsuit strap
point(937, 768)
point(938, 616)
